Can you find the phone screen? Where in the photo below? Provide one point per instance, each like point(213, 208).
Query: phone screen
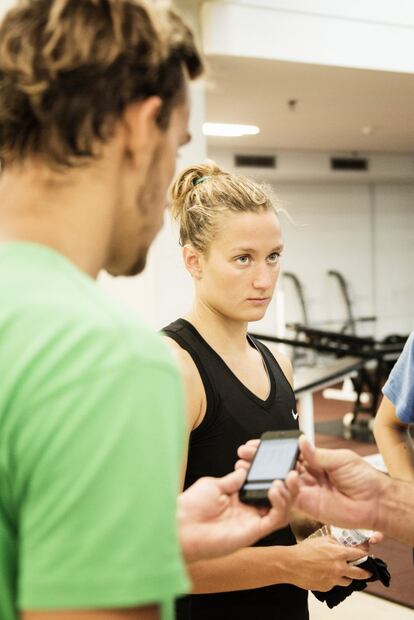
point(274, 459)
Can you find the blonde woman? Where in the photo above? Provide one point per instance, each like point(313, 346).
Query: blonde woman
point(236, 390)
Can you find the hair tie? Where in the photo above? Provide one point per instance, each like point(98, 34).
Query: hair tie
point(200, 180)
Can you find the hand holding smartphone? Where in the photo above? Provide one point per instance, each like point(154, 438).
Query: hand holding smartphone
point(276, 456)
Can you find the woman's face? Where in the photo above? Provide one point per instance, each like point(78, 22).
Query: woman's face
point(238, 276)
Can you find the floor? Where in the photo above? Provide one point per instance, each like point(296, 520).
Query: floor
point(360, 605)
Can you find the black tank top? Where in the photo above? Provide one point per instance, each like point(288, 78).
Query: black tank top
point(234, 415)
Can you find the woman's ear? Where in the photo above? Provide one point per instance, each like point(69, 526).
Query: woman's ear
point(193, 261)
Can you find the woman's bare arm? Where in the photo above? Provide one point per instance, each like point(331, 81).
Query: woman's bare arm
point(394, 442)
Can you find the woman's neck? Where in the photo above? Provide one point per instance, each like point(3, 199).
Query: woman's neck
point(224, 335)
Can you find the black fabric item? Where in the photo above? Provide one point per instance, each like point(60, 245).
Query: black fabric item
point(234, 415)
point(337, 594)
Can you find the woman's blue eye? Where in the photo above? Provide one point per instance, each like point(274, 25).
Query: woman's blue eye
point(243, 260)
point(273, 258)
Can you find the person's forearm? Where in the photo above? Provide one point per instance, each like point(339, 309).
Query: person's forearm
point(397, 451)
point(396, 510)
point(253, 567)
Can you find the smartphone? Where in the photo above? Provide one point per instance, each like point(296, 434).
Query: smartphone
point(276, 456)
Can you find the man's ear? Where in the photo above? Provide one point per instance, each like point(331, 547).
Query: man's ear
point(193, 261)
point(141, 131)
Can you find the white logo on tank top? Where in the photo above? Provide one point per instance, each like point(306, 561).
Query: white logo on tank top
point(295, 415)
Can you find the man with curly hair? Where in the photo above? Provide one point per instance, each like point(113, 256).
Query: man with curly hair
point(93, 107)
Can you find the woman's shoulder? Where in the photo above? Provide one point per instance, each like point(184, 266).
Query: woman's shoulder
point(193, 385)
point(183, 357)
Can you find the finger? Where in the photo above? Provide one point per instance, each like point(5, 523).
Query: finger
point(280, 501)
point(232, 482)
point(353, 572)
point(307, 451)
point(278, 492)
point(376, 538)
point(242, 464)
point(324, 460)
point(292, 483)
point(354, 553)
point(364, 547)
point(307, 479)
point(344, 581)
point(247, 452)
point(252, 442)
point(315, 458)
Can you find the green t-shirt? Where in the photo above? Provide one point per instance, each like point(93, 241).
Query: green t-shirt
point(91, 438)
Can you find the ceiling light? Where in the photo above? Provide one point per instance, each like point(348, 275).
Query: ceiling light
point(367, 130)
point(229, 130)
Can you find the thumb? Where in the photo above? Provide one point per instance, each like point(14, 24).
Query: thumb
point(320, 459)
point(232, 482)
point(308, 453)
point(376, 537)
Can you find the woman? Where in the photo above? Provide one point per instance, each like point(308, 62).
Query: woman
point(395, 416)
point(232, 244)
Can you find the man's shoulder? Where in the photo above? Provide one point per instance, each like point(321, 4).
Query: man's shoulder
point(105, 324)
point(405, 363)
point(410, 346)
point(81, 327)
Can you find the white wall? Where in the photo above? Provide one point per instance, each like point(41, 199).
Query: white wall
point(331, 231)
point(5, 5)
point(367, 233)
point(394, 252)
point(364, 230)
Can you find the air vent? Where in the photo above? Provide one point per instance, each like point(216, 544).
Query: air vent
point(255, 161)
point(349, 163)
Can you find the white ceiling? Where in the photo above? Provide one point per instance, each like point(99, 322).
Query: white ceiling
point(333, 106)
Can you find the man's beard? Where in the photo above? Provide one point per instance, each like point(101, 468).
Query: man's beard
point(144, 204)
point(139, 265)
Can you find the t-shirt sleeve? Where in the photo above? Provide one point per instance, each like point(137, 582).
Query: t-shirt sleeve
point(399, 388)
point(98, 492)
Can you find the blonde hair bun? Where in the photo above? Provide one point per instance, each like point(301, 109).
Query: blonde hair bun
point(186, 182)
point(203, 192)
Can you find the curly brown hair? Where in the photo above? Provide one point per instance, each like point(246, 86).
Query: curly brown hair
point(68, 69)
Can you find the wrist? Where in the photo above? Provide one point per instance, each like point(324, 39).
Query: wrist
point(396, 503)
point(286, 564)
point(386, 504)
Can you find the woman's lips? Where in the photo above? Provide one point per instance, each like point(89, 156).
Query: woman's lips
point(258, 300)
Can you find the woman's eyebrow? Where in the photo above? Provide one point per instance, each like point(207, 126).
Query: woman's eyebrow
point(277, 248)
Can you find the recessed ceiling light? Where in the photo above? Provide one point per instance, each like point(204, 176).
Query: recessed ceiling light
point(368, 130)
point(229, 130)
